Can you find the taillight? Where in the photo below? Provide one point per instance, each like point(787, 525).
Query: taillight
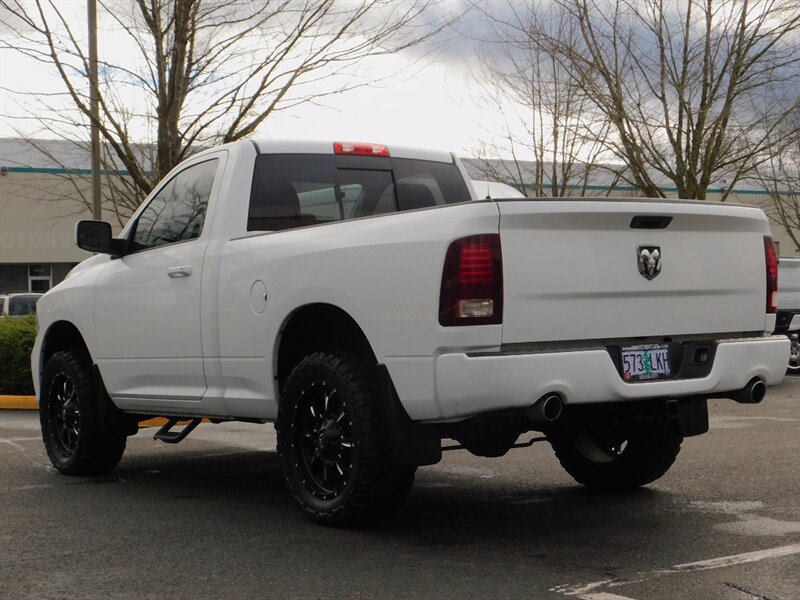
point(771, 259)
point(360, 149)
point(472, 282)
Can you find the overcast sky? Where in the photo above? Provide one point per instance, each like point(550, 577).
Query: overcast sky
point(437, 106)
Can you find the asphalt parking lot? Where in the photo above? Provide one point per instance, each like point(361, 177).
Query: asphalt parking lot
point(209, 518)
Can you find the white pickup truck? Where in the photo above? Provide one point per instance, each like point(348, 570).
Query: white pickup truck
point(367, 302)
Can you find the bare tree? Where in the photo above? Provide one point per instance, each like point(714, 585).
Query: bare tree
point(548, 117)
point(200, 72)
point(695, 89)
point(780, 177)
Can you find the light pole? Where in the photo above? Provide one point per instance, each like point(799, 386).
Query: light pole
point(94, 94)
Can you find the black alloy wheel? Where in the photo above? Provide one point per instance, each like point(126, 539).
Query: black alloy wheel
point(64, 414)
point(605, 459)
point(68, 414)
point(334, 442)
point(602, 447)
point(323, 436)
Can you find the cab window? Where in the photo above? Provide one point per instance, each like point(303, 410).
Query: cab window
point(177, 213)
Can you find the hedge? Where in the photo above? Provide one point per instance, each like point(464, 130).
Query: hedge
point(16, 342)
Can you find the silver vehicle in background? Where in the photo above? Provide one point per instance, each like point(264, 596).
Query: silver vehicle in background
point(493, 190)
point(788, 316)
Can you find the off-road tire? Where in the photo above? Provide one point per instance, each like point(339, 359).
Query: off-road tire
point(600, 460)
point(333, 442)
point(70, 421)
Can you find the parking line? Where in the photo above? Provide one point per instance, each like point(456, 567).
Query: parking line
point(735, 559)
point(586, 591)
point(604, 596)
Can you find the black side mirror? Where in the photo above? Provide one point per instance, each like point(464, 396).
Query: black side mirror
point(95, 236)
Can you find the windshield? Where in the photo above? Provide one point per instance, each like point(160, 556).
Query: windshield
point(22, 305)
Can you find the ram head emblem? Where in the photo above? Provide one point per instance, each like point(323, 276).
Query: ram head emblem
point(649, 258)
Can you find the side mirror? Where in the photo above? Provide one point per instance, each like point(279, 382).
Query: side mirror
point(95, 236)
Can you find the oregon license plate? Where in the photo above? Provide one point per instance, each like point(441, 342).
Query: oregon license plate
point(646, 362)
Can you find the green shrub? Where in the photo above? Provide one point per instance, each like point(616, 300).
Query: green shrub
point(16, 342)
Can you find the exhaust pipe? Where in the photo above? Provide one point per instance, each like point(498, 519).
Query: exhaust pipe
point(752, 393)
point(546, 409)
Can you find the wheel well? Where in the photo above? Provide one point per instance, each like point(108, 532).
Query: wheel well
point(319, 328)
point(62, 335)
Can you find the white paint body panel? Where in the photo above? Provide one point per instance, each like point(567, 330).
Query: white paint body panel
point(206, 345)
point(380, 277)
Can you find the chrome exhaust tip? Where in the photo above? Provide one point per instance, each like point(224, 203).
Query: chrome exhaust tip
point(752, 393)
point(546, 409)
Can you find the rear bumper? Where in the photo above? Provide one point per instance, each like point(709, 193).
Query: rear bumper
point(472, 384)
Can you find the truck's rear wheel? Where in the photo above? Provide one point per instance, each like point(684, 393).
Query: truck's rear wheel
point(333, 441)
point(608, 460)
point(69, 418)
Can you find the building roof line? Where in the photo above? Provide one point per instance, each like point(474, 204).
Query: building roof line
point(61, 171)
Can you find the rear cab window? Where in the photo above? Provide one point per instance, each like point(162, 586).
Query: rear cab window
point(296, 190)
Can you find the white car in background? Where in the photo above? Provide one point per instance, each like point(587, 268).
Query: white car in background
point(494, 189)
point(788, 316)
point(18, 304)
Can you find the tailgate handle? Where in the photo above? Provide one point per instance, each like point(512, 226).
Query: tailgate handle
point(650, 222)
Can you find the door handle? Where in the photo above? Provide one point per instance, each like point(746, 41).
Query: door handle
point(177, 272)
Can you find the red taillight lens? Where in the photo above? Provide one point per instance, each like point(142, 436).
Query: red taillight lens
point(360, 149)
point(771, 259)
point(472, 282)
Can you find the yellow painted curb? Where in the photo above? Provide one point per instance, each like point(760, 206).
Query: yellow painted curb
point(19, 402)
point(30, 403)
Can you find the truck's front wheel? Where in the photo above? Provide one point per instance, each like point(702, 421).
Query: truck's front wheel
point(614, 461)
point(70, 421)
point(333, 441)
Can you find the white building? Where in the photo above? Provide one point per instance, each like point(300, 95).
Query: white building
point(40, 203)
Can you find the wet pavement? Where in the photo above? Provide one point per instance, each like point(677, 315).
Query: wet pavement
point(210, 518)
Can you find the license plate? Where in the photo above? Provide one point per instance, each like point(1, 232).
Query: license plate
point(647, 362)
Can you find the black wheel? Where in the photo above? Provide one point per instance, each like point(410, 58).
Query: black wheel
point(613, 461)
point(69, 418)
point(333, 441)
point(794, 356)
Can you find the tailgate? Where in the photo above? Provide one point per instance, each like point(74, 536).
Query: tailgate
point(571, 269)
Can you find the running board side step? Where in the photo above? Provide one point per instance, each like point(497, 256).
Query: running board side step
point(173, 437)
